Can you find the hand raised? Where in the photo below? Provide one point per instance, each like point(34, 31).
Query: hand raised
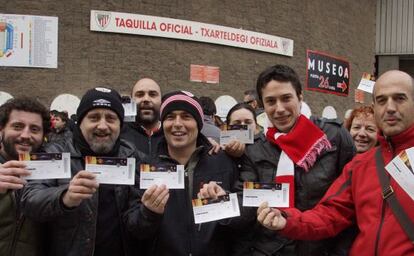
point(270, 218)
point(82, 186)
point(155, 198)
point(11, 174)
point(211, 190)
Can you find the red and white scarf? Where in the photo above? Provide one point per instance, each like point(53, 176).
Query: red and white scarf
point(301, 145)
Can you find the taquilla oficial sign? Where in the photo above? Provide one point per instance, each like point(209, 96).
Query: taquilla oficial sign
point(327, 73)
point(117, 22)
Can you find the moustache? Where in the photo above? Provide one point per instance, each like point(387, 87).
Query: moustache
point(24, 141)
point(145, 105)
point(97, 133)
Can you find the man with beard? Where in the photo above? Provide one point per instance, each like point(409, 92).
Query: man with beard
point(86, 218)
point(23, 124)
point(145, 132)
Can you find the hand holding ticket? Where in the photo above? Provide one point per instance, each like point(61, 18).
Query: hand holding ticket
point(155, 198)
point(82, 186)
point(11, 174)
point(211, 190)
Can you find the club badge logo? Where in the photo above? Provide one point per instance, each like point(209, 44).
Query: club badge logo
point(102, 19)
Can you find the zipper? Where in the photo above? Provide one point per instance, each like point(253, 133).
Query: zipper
point(189, 224)
point(92, 240)
point(274, 174)
point(19, 224)
point(19, 221)
point(392, 150)
point(149, 145)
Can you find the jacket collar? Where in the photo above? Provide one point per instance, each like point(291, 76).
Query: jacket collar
point(398, 142)
point(141, 129)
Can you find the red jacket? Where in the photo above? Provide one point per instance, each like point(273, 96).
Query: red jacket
point(356, 195)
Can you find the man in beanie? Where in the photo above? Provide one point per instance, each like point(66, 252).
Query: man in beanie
point(83, 217)
point(183, 144)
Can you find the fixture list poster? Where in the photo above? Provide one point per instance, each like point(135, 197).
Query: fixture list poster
point(28, 41)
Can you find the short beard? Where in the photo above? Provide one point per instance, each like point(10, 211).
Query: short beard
point(10, 149)
point(147, 121)
point(102, 148)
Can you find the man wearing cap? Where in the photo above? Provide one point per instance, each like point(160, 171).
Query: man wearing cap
point(85, 218)
point(176, 234)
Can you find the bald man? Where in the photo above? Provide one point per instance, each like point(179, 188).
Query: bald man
point(145, 132)
point(358, 195)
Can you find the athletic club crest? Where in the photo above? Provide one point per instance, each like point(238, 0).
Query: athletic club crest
point(285, 45)
point(102, 19)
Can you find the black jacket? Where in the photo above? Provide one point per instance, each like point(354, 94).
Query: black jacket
point(260, 164)
point(177, 234)
point(65, 134)
point(72, 231)
point(19, 236)
point(136, 135)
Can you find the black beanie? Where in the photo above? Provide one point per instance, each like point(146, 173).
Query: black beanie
point(182, 100)
point(100, 97)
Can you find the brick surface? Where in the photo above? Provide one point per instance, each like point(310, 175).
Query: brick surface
point(86, 59)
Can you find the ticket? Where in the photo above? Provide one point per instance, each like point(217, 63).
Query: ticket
point(206, 210)
point(237, 132)
point(45, 166)
point(112, 170)
point(157, 174)
point(255, 193)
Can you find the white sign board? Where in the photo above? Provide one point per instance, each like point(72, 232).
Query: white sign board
point(366, 85)
point(28, 41)
point(127, 23)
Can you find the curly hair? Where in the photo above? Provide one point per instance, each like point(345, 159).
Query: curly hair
point(28, 105)
point(364, 111)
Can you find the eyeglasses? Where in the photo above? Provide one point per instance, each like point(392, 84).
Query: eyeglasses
point(248, 102)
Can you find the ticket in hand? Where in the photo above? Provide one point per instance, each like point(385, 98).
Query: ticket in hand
point(237, 132)
point(157, 174)
point(401, 170)
point(112, 170)
point(45, 166)
point(256, 193)
point(206, 210)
